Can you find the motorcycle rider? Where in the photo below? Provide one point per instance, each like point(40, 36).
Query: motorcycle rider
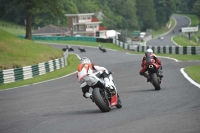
point(146, 58)
point(86, 67)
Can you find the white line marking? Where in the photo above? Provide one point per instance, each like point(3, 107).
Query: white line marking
point(169, 58)
point(188, 78)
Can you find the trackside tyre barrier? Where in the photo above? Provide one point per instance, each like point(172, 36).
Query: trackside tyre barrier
point(27, 72)
point(189, 50)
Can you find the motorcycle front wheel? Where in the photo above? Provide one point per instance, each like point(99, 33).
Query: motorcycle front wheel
point(101, 99)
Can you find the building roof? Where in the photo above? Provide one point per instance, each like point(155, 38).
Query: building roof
point(51, 29)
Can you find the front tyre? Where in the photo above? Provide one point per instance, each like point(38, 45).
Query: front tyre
point(101, 100)
point(155, 81)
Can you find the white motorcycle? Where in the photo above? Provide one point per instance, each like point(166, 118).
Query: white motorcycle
point(103, 98)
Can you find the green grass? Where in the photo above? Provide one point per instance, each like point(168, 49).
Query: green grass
point(193, 72)
point(72, 61)
point(12, 28)
point(182, 41)
point(15, 52)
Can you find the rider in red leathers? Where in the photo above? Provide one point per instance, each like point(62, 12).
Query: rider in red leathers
point(144, 67)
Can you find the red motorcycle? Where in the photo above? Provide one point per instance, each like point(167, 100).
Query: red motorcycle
point(103, 98)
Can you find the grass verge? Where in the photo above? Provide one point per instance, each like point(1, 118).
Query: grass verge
point(182, 41)
point(16, 52)
point(12, 28)
point(193, 72)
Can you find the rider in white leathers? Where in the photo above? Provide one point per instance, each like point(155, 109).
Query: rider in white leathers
point(86, 67)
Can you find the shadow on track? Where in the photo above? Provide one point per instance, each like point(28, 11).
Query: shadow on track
point(133, 91)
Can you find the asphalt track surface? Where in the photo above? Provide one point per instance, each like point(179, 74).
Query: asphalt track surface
point(58, 106)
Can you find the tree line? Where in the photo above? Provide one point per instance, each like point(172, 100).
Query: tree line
point(118, 14)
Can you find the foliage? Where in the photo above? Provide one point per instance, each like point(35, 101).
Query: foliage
point(118, 14)
point(146, 14)
point(196, 8)
point(164, 10)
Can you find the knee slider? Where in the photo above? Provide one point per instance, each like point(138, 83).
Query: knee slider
point(84, 95)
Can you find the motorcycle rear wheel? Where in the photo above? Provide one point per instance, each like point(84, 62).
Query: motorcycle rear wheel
point(101, 100)
point(155, 81)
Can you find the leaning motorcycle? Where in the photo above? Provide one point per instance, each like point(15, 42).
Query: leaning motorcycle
point(81, 49)
point(102, 48)
point(102, 97)
point(154, 73)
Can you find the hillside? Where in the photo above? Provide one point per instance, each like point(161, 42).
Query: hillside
point(16, 52)
point(13, 28)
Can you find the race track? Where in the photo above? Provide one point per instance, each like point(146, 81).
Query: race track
point(167, 41)
point(58, 106)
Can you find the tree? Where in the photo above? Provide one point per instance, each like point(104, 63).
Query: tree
point(164, 10)
point(12, 13)
point(35, 7)
point(146, 14)
point(45, 17)
point(196, 8)
point(87, 6)
point(120, 14)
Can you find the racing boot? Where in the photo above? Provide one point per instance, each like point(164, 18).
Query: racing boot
point(147, 76)
point(88, 95)
point(91, 97)
point(160, 74)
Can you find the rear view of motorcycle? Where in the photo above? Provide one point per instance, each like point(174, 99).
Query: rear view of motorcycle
point(103, 98)
point(102, 48)
point(154, 71)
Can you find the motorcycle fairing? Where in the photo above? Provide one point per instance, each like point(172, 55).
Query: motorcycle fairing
point(113, 100)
